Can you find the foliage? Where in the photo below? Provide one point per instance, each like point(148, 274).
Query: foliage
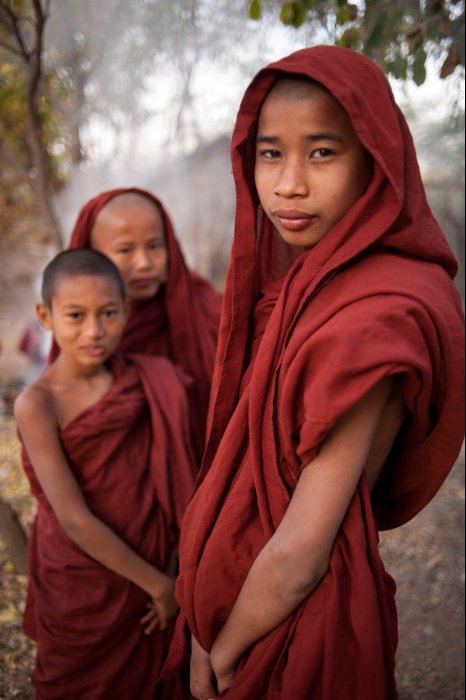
point(398, 34)
point(27, 120)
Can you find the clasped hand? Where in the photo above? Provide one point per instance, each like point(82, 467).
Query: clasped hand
point(210, 675)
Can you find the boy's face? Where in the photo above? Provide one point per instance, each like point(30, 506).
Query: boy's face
point(130, 231)
point(310, 166)
point(87, 317)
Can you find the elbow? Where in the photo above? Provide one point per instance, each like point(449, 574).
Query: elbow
point(76, 526)
point(294, 573)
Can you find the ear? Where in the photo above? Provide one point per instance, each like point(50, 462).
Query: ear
point(44, 317)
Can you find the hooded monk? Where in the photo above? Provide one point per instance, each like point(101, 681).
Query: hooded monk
point(107, 459)
point(337, 405)
point(173, 311)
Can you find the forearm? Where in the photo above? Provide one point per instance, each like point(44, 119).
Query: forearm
point(102, 544)
point(270, 593)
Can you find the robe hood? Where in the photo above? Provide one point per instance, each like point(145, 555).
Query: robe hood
point(180, 322)
point(392, 217)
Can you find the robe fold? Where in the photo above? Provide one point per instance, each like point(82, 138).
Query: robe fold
point(180, 322)
point(305, 335)
point(129, 456)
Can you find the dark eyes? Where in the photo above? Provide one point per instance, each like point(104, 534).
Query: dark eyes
point(155, 245)
point(274, 154)
point(269, 153)
point(78, 315)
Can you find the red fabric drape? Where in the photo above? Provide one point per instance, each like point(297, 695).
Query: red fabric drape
point(135, 471)
point(180, 323)
point(374, 298)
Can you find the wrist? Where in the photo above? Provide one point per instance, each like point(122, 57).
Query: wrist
point(222, 658)
point(160, 584)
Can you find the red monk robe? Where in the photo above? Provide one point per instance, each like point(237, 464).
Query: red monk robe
point(316, 330)
point(135, 471)
point(180, 322)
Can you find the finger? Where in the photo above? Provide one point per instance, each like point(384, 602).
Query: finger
point(224, 683)
point(154, 625)
point(148, 617)
point(202, 682)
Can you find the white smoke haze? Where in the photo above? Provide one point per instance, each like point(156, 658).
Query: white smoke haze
point(163, 122)
point(174, 140)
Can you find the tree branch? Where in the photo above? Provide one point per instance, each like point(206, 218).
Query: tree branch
point(12, 24)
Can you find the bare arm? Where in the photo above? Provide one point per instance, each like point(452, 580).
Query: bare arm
point(38, 428)
point(297, 556)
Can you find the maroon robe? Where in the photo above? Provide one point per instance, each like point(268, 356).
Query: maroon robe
point(130, 459)
point(180, 322)
point(304, 336)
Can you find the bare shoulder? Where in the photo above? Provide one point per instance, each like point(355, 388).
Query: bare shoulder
point(35, 403)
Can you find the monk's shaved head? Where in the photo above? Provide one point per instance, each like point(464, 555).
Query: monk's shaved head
point(296, 88)
point(78, 262)
point(129, 199)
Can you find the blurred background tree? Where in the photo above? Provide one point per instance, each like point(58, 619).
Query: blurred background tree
point(71, 65)
point(397, 34)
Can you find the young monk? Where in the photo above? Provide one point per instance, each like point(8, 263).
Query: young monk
point(107, 460)
point(172, 310)
point(337, 405)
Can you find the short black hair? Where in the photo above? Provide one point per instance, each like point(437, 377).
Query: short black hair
point(77, 262)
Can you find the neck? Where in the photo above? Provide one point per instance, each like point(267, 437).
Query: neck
point(67, 370)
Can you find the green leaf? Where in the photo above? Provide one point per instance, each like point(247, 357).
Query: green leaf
point(350, 38)
point(342, 16)
point(255, 10)
point(299, 15)
point(419, 69)
point(399, 67)
point(287, 13)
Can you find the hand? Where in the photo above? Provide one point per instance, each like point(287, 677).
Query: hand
point(151, 619)
point(201, 674)
point(163, 606)
point(224, 670)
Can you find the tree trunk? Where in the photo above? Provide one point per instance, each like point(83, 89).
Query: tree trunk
point(13, 537)
point(41, 181)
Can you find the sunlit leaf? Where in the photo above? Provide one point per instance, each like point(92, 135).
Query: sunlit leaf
point(419, 68)
point(350, 38)
point(287, 13)
point(299, 14)
point(342, 16)
point(255, 11)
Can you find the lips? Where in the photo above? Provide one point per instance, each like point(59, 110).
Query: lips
point(94, 350)
point(144, 281)
point(293, 219)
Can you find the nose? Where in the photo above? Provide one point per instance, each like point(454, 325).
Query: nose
point(291, 179)
point(94, 327)
point(142, 259)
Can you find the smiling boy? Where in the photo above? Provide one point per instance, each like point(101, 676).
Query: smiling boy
point(105, 455)
point(336, 408)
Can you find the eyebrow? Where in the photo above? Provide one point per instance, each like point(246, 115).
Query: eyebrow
point(129, 241)
point(323, 136)
point(78, 307)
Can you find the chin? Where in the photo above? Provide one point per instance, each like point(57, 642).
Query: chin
point(143, 295)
